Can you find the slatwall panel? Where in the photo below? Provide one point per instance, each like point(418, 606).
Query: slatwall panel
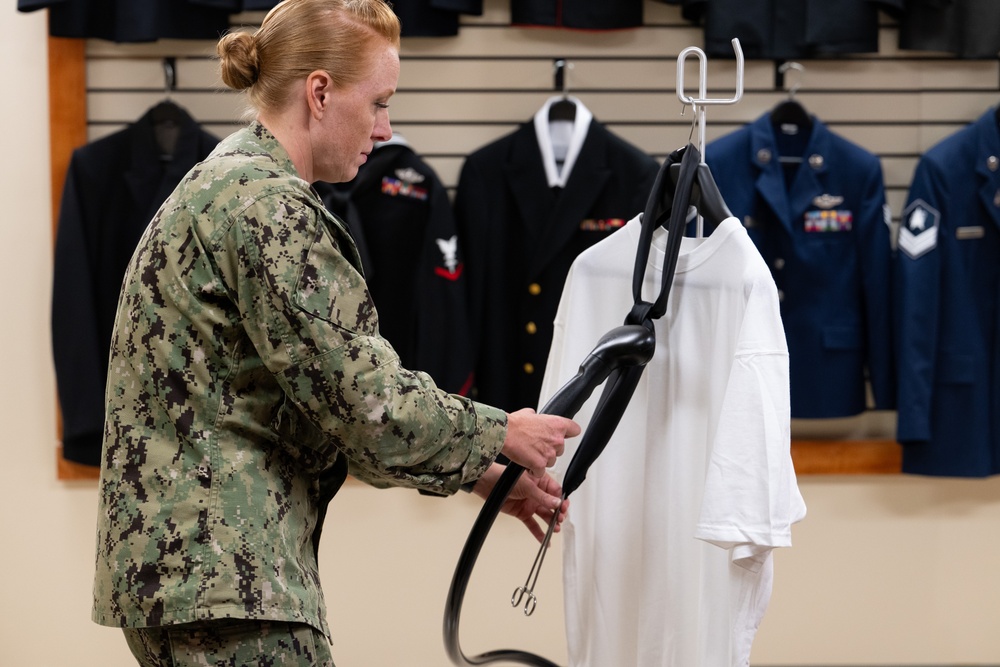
point(458, 93)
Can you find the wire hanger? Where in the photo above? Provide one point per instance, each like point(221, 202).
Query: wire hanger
point(699, 103)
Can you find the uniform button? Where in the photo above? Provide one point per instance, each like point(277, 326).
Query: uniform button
point(529, 368)
point(534, 289)
point(779, 264)
point(763, 156)
point(993, 162)
point(531, 328)
point(781, 295)
point(816, 161)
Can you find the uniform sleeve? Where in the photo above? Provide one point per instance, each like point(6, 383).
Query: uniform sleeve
point(751, 494)
point(80, 359)
point(875, 252)
point(311, 318)
point(916, 301)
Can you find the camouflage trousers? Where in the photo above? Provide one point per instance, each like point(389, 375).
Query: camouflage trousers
point(230, 643)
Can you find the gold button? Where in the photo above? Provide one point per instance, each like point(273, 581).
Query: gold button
point(534, 289)
point(531, 328)
point(529, 368)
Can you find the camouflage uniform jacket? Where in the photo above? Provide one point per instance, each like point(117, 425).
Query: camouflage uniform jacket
point(246, 366)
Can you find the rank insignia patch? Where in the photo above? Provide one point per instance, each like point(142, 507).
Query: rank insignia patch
point(449, 253)
point(918, 232)
point(829, 221)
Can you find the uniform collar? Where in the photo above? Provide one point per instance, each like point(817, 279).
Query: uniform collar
point(555, 176)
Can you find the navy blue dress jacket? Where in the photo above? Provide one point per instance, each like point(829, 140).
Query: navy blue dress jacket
point(948, 298)
point(822, 225)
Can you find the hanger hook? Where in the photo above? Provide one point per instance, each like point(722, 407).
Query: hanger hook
point(798, 67)
point(169, 74)
point(561, 68)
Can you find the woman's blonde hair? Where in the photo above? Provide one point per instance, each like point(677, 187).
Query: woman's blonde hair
point(297, 38)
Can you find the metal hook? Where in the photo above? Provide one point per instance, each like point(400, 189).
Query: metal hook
point(528, 589)
point(698, 103)
point(561, 68)
point(169, 74)
point(783, 69)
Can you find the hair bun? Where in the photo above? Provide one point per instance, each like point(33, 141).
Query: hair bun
point(240, 66)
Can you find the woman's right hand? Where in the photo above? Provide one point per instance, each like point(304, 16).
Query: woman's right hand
point(534, 441)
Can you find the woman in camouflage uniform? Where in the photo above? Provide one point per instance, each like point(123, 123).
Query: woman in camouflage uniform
point(247, 376)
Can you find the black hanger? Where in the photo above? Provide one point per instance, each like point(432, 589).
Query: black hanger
point(790, 111)
point(705, 194)
point(564, 109)
point(167, 116)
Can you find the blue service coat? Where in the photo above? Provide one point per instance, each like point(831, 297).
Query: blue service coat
point(823, 227)
point(947, 293)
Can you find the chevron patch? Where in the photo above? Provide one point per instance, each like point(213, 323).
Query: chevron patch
point(918, 232)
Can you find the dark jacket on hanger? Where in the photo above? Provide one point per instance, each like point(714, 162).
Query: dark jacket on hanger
point(965, 28)
point(401, 219)
point(132, 20)
point(780, 29)
point(948, 305)
point(823, 228)
point(114, 185)
point(520, 237)
point(433, 18)
point(581, 14)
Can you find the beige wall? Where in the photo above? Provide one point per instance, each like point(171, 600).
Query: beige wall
point(884, 571)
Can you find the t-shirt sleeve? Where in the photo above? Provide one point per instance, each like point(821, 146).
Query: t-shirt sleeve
point(751, 495)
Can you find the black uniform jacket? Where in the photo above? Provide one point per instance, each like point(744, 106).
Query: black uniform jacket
point(581, 14)
point(114, 185)
point(965, 28)
point(520, 237)
point(134, 20)
point(778, 29)
point(401, 219)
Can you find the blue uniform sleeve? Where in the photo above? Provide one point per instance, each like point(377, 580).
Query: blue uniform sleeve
point(917, 298)
point(876, 275)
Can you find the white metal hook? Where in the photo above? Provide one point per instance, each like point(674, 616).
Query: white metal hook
point(798, 67)
point(698, 103)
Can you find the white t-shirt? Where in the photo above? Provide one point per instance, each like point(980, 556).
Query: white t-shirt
point(667, 546)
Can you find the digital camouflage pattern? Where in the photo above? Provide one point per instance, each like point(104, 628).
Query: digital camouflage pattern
point(246, 377)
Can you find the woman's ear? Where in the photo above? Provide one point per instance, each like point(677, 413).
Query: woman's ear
point(319, 87)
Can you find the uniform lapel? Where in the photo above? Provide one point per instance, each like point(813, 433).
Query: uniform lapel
point(525, 175)
point(585, 184)
point(988, 165)
point(810, 180)
point(770, 183)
